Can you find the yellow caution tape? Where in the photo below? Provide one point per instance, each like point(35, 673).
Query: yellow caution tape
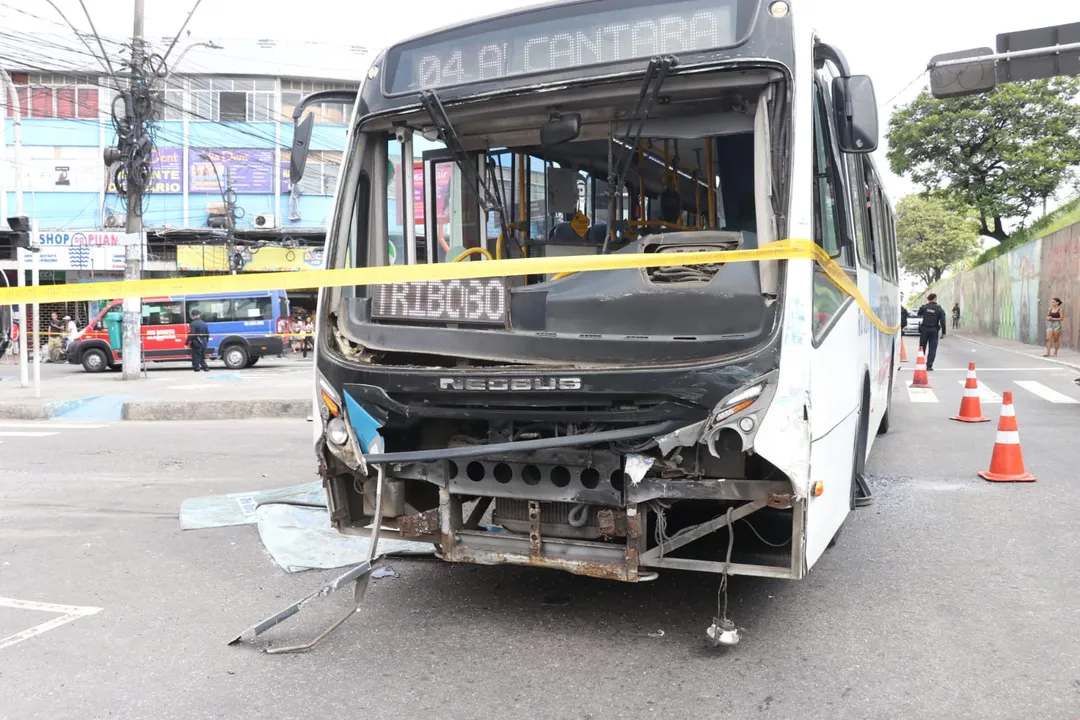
point(343, 277)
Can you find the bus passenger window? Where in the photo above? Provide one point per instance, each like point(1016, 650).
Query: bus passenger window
point(826, 217)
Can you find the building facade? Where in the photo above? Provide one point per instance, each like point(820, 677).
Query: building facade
point(221, 150)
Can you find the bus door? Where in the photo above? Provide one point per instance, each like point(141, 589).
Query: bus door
point(164, 329)
point(446, 226)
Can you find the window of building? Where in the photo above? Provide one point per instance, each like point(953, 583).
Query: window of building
point(57, 96)
point(320, 172)
point(325, 113)
point(222, 99)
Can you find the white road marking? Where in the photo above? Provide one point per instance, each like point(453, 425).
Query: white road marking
point(986, 395)
point(921, 395)
point(25, 433)
point(995, 369)
point(69, 613)
point(1037, 388)
point(51, 425)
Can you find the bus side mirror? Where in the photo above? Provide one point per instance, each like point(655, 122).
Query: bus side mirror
point(855, 110)
point(300, 145)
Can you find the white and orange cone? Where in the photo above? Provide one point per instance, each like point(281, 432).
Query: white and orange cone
point(971, 405)
point(903, 350)
point(920, 379)
point(1007, 462)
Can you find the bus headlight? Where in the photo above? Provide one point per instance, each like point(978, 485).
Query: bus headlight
point(738, 402)
point(336, 432)
point(329, 401)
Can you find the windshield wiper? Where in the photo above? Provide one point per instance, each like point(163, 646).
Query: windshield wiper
point(655, 75)
point(493, 200)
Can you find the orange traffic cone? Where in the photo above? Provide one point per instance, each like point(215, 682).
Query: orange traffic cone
point(903, 351)
point(921, 379)
point(1007, 462)
point(970, 405)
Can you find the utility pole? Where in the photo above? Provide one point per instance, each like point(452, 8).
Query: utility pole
point(24, 332)
point(133, 253)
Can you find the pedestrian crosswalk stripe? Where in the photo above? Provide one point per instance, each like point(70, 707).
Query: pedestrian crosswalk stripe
point(26, 433)
point(921, 395)
point(986, 395)
point(1046, 393)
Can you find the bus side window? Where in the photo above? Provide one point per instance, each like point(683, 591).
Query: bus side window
point(858, 174)
point(826, 213)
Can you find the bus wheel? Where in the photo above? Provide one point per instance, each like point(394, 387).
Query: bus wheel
point(94, 360)
point(235, 357)
point(252, 362)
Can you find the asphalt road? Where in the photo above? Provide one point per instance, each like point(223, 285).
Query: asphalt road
point(950, 597)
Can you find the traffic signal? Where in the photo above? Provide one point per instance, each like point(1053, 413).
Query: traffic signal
point(20, 225)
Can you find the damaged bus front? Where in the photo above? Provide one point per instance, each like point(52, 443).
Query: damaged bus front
point(607, 423)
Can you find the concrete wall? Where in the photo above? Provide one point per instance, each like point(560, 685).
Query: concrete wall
point(1008, 296)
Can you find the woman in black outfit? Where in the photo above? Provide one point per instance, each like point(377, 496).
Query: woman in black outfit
point(1053, 326)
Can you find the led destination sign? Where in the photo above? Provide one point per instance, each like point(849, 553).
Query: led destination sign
point(472, 302)
point(561, 38)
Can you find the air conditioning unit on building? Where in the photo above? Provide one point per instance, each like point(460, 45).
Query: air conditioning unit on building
point(265, 221)
point(114, 220)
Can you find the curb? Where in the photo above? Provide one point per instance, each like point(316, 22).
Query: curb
point(159, 411)
point(153, 410)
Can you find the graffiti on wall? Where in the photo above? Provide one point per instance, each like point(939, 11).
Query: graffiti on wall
point(1061, 278)
point(1008, 296)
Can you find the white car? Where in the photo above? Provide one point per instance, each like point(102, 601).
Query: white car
point(913, 322)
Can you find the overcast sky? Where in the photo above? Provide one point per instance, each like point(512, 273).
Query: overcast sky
point(891, 42)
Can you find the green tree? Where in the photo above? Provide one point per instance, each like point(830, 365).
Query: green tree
point(933, 235)
point(1001, 153)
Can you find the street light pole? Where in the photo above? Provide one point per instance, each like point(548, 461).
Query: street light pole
point(16, 111)
point(133, 253)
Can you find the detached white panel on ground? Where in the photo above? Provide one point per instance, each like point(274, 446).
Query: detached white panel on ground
point(301, 538)
point(294, 526)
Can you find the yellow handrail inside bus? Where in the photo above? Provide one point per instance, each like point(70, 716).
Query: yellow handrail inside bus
point(499, 248)
point(473, 251)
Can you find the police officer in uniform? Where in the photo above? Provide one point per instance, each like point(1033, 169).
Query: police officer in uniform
point(198, 339)
point(933, 322)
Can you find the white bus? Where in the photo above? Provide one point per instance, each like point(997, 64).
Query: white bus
point(625, 422)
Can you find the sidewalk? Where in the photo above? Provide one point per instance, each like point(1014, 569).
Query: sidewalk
point(273, 389)
point(1066, 357)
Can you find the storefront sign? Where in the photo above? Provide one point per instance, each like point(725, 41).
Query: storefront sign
point(245, 171)
point(166, 171)
point(75, 238)
point(79, 257)
point(266, 259)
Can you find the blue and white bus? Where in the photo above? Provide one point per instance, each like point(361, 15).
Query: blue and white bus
point(624, 422)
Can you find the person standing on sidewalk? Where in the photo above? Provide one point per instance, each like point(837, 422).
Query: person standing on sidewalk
point(933, 322)
point(1053, 326)
point(198, 339)
point(955, 316)
point(55, 338)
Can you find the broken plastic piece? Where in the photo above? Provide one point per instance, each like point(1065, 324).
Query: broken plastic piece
point(637, 466)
